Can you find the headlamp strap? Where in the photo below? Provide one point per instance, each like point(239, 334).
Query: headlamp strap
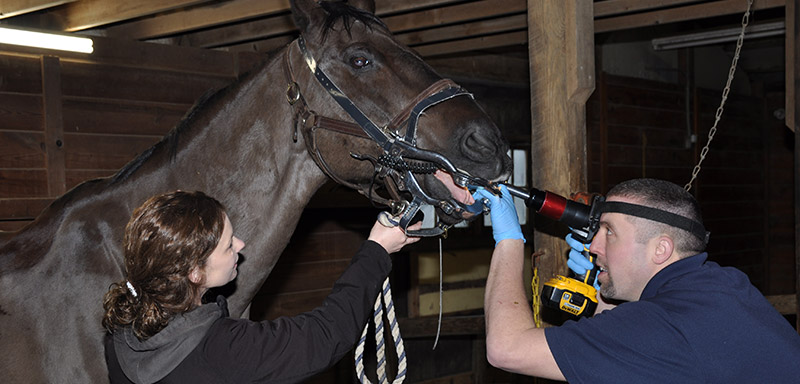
point(657, 215)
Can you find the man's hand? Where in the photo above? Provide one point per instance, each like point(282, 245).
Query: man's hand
point(577, 262)
point(505, 223)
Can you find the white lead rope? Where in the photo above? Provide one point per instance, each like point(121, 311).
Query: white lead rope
point(380, 346)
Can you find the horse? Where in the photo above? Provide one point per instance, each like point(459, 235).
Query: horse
point(260, 147)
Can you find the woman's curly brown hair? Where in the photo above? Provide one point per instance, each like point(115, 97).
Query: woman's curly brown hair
point(166, 238)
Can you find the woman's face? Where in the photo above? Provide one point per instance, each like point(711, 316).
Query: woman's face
point(220, 268)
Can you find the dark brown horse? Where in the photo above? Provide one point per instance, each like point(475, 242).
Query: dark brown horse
point(249, 148)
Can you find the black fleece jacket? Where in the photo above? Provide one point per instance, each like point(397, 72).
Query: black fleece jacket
point(206, 346)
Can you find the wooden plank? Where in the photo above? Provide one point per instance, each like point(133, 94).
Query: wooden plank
point(23, 183)
point(453, 301)
point(235, 11)
point(282, 24)
point(21, 150)
point(236, 33)
point(20, 74)
point(450, 326)
point(484, 42)
point(689, 12)
point(616, 7)
point(74, 177)
point(502, 24)
point(25, 208)
point(53, 125)
point(86, 14)
point(135, 54)
point(121, 118)
point(197, 18)
point(11, 8)
point(136, 84)
point(103, 152)
point(20, 112)
point(300, 277)
point(461, 13)
point(14, 225)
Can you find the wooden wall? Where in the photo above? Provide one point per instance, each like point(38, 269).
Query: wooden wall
point(638, 128)
point(68, 117)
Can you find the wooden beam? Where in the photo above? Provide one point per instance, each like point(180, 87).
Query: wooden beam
point(53, 126)
point(461, 13)
point(87, 14)
point(689, 12)
point(235, 11)
point(561, 56)
point(617, 7)
point(486, 27)
point(197, 18)
point(456, 16)
point(473, 44)
point(11, 8)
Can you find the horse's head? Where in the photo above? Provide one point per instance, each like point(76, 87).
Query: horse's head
point(429, 132)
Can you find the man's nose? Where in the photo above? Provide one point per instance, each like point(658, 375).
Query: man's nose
point(595, 246)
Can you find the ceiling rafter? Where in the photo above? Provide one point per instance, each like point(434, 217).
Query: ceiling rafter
point(429, 26)
point(236, 11)
point(11, 8)
point(451, 15)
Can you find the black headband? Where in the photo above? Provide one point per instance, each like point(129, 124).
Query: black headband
point(658, 215)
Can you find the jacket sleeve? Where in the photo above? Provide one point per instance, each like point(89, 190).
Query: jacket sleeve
point(290, 349)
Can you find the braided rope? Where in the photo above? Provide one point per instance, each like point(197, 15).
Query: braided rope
point(380, 345)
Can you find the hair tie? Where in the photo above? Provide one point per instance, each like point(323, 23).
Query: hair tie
point(130, 288)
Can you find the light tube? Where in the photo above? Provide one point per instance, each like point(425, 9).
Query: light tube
point(60, 42)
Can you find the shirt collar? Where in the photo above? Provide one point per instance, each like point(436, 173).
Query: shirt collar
point(672, 271)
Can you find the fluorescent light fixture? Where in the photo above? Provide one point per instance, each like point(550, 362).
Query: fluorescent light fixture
point(719, 36)
point(62, 42)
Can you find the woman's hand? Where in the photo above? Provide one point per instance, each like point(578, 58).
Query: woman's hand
point(392, 239)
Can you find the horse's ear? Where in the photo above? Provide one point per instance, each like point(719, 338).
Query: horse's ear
point(305, 13)
point(367, 5)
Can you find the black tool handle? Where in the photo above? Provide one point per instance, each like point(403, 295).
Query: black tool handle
point(582, 218)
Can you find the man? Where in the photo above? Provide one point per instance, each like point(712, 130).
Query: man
point(682, 320)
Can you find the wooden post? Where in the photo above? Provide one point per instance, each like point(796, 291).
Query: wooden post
point(53, 125)
point(562, 77)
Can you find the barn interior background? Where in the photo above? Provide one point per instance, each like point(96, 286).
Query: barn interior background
point(69, 117)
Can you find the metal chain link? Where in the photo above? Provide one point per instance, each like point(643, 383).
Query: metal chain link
point(713, 130)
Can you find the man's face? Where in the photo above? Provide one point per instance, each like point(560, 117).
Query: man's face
point(624, 264)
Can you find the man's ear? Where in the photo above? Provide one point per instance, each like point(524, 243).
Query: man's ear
point(665, 248)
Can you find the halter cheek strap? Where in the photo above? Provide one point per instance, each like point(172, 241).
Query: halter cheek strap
point(658, 215)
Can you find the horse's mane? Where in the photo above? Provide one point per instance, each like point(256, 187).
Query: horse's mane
point(339, 10)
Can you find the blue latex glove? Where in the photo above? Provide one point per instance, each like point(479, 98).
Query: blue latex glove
point(577, 262)
point(505, 223)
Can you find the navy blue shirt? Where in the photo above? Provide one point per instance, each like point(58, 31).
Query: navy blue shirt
point(696, 322)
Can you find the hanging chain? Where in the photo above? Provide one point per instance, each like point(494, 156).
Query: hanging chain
point(713, 130)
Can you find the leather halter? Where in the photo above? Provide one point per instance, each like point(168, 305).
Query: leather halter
point(394, 146)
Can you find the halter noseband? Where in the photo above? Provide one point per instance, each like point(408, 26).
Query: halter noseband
point(396, 148)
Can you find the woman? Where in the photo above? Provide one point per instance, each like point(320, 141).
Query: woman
point(180, 244)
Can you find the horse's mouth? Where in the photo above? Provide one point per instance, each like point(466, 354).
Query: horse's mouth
point(460, 194)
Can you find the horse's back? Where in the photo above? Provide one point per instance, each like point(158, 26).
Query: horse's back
point(44, 309)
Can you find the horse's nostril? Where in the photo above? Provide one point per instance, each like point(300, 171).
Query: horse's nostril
point(479, 147)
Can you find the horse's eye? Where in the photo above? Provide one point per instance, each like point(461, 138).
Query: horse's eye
point(360, 62)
